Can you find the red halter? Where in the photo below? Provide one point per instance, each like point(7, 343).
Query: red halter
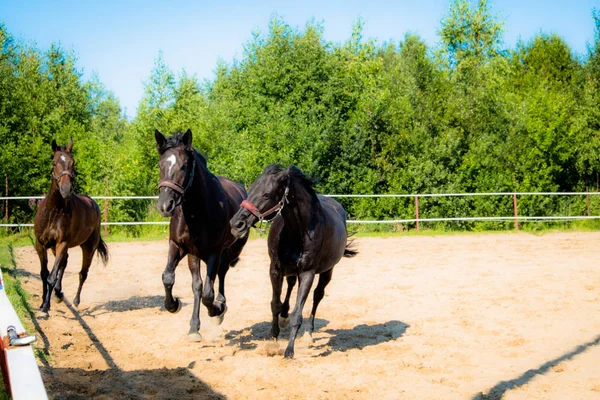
point(246, 204)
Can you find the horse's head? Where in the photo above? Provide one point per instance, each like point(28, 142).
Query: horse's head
point(63, 168)
point(266, 197)
point(176, 169)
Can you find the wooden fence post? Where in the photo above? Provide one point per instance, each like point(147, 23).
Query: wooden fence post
point(587, 197)
point(417, 212)
point(106, 210)
point(516, 212)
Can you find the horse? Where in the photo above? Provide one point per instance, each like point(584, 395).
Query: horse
point(64, 220)
point(308, 236)
point(200, 205)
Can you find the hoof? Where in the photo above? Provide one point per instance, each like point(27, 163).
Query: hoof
point(195, 337)
point(283, 322)
point(218, 319)
point(41, 314)
point(289, 354)
point(76, 301)
point(59, 297)
point(177, 307)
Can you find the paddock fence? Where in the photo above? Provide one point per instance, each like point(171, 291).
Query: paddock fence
point(417, 219)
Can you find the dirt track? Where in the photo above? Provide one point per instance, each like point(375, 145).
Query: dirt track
point(515, 316)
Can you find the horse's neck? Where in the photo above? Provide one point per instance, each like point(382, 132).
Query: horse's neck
point(300, 214)
point(202, 191)
point(54, 198)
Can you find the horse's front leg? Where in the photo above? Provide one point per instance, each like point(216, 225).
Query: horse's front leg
point(61, 254)
point(194, 264)
point(58, 288)
point(215, 309)
point(276, 283)
point(284, 316)
point(43, 255)
point(172, 304)
point(306, 280)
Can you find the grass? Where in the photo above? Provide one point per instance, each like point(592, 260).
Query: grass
point(17, 295)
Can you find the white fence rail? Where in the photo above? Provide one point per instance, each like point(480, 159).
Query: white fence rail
point(20, 371)
point(515, 217)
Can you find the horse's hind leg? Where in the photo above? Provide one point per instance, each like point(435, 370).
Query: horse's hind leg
point(43, 255)
point(208, 291)
point(306, 280)
point(284, 317)
point(318, 295)
point(221, 302)
point(88, 249)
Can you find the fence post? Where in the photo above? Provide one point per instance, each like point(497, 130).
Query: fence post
point(516, 212)
point(417, 212)
point(106, 210)
point(6, 204)
point(587, 197)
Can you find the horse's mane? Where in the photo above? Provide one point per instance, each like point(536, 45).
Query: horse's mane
point(61, 147)
point(176, 140)
point(294, 173)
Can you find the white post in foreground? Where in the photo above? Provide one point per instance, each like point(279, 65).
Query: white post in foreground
point(20, 371)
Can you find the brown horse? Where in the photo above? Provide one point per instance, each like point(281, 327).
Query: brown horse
point(64, 220)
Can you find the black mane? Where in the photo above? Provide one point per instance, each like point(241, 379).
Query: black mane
point(177, 140)
point(294, 174)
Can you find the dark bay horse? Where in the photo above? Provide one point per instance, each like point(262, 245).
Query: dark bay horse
point(308, 237)
point(200, 205)
point(64, 220)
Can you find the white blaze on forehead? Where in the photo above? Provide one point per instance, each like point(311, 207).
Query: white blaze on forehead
point(63, 158)
point(172, 160)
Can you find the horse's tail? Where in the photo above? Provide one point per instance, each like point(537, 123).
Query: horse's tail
point(103, 251)
point(350, 250)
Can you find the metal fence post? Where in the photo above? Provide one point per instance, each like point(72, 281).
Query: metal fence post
point(516, 212)
point(417, 212)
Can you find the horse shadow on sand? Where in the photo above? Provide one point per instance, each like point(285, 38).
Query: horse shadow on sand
point(131, 304)
point(497, 392)
point(117, 383)
point(328, 340)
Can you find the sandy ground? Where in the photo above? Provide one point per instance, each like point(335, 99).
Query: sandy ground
point(511, 316)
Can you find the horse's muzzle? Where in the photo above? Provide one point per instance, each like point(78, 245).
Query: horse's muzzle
point(66, 191)
point(239, 227)
point(166, 203)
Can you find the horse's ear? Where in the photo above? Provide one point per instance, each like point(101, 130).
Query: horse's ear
point(187, 139)
point(70, 146)
point(54, 146)
point(290, 171)
point(160, 141)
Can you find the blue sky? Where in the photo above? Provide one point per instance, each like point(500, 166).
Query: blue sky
point(119, 40)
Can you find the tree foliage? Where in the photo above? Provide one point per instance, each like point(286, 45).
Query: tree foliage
point(359, 116)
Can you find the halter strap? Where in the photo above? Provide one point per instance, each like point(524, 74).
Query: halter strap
point(63, 173)
point(246, 204)
point(176, 186)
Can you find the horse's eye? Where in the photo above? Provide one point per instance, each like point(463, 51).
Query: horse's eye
point(266, 195)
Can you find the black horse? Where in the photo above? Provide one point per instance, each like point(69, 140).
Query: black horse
point(200, 206)
point(64, 220)
point(308, 237)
